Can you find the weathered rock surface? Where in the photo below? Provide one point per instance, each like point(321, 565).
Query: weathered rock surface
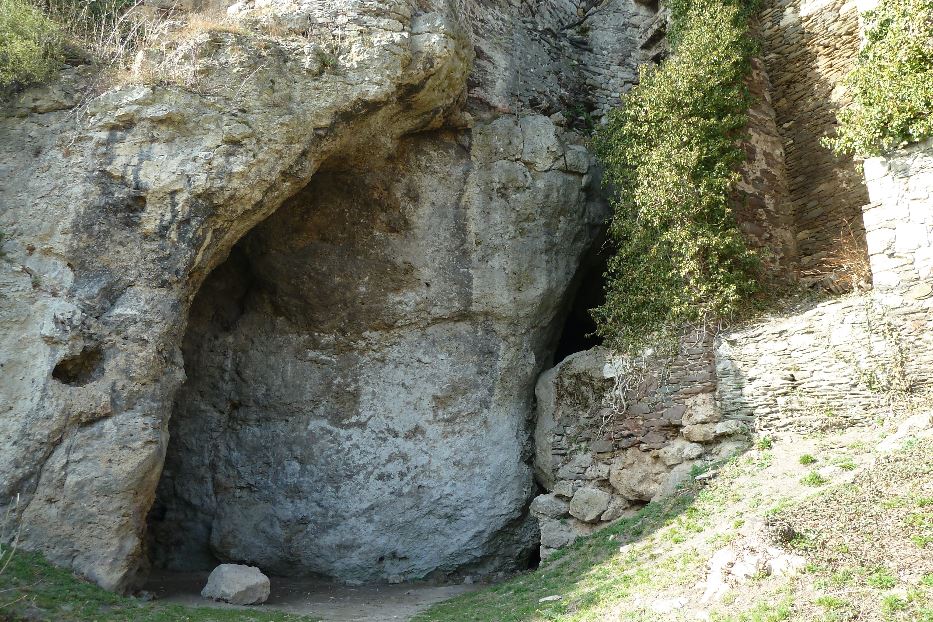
point(237, 584)
point(383, 332)
point(365, 356)
point(611, 437)
point(589, 504)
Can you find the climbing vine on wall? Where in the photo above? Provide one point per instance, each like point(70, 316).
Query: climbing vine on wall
point(892, 83)
point(670, 153)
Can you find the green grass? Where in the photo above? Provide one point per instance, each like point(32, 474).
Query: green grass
point(881, 578)
point(762, 612)
point(592, 573)
point(846, 464)
point(33, 589)
point(813, 479)
point(807, 459)
point(30, 45)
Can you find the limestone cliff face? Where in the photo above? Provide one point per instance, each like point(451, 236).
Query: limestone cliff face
point(359, 369)
point(360, 366)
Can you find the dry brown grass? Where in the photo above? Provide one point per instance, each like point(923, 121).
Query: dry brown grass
point(111, 31)
point(195, 24)
point(132, 42)
point(845, 267)
point(869, 543)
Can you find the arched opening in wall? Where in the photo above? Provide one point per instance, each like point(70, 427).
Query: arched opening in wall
point(339, 417)
point(578, 332)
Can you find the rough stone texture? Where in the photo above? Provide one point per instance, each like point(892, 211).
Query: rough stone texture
point(577, 421)
point(823, 366)
point(588, 504)
point(760, 198)
point(808, 47)
point(899, 224)
point(237, 584)
point(754, 555)
point(115, 213)
point(827, 364)
point(383, 331)
point(611, 438)
point(611, 39)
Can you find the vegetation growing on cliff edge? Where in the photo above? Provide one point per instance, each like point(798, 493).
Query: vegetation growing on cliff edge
point(30, 45)
point(892, 83)
point(671, 152)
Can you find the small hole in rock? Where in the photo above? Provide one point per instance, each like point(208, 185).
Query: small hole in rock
point(80, 369)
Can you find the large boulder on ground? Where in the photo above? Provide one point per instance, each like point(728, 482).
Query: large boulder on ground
point(237, 584)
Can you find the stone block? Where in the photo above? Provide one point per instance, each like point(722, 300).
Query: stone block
point(679, 451)
point(237, 584)
point(549, 505)
point(588, 504)
point(701, 409)
point(699, 433)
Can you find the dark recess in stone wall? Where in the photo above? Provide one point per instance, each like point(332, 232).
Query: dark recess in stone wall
point(578, 332)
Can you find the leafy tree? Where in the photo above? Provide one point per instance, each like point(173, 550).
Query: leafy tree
point(892, 82)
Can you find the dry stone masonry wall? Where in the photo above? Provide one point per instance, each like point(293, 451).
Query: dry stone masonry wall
point(808, 47)
point(611, 436)
point(832, 363)
point(899, 224)
point(761, 197)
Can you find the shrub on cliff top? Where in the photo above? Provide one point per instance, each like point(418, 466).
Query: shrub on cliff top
point(892, 82)
point(670, 153)
point(30, 48)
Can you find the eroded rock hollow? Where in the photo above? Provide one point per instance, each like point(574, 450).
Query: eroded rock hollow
point(360, 368)
point(314, 277)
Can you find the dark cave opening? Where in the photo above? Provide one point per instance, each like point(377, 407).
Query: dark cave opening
point(578, 332)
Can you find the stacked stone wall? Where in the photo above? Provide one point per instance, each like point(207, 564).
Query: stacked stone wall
point(617, 34)
point(826, 365)
point(760, 198)
point(809, 47)
point(612, 435)
point(899, 225)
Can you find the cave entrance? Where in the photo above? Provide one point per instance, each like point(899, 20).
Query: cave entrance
point(578, 332)
point(339, 417)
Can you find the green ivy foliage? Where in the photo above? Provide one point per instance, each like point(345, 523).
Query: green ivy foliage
point(892, 83)
point(670, 152)
point(30, 45)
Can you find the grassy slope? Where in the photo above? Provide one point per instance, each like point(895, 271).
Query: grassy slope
point(865, 525)
point(33, 589)
point(863, 520)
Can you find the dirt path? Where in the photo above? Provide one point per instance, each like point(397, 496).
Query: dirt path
point(327, 601)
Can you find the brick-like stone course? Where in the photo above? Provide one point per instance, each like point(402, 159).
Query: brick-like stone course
point(808, 49)
point(622, 435)
point(899, 224)
point(760, 198)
